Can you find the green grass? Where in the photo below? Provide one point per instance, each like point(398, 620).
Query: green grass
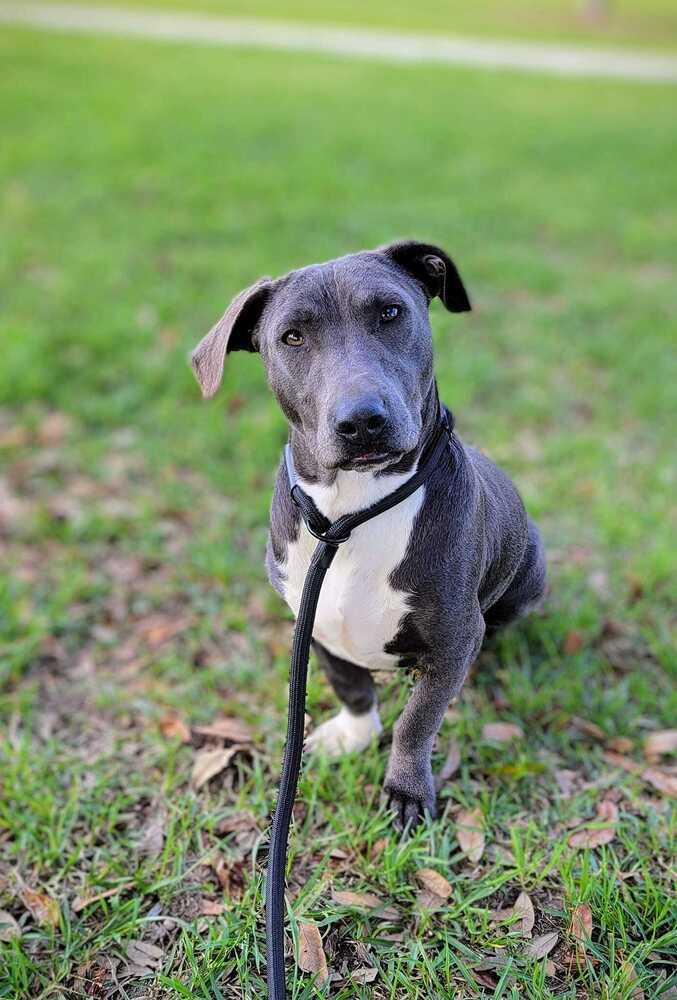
point(626, 22)
point(141, 186)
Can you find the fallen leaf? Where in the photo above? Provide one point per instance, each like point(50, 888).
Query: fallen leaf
point(620, 744)
point(470, 833)
point(661, 780)
point(211, 908)
point(231, 729)
point(365, 901)
point(581, 925)
point(618, 760)
point(631, 976)
point(573, 642)
point(174, 728)
point(541, 945)
point(588, 728)
point(661, 742)
point(144, 956)
point(451, 764)
point(80, 902)
point(501, 732)
point(524, 909)
point(607, 811)
point(155, 630)
point(153, 834)
point(238, 822)
point(42, 907)
point(363, 975)
point(434, 882)
point(9, 928)
point(209, 763)
point(54, 428)
point(566, 781)
point(550, 968)
point(592, 837)
point(311, 953)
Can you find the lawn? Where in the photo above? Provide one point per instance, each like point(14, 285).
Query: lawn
point(650, 23)
point(141, 186)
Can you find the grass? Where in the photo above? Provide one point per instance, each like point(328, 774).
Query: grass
point(143, 185)
point(626, 22)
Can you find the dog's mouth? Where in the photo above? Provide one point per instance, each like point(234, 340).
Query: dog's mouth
point(369, 459)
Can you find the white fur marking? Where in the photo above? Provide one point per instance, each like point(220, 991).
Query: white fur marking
point(345, 732)
point(358, 611)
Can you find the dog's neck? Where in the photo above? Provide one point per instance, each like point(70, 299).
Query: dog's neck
point(337, 491)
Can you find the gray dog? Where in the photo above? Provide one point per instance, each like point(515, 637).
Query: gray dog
point(348, 353)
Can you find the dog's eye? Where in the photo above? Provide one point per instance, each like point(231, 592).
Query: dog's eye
point(389, 313)
point(293, 338)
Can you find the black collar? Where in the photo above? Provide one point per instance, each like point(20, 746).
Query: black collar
point(339, 531)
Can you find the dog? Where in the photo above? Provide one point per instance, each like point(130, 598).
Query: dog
point(348, 354)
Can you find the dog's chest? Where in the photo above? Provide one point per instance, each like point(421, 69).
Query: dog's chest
point(359, 611)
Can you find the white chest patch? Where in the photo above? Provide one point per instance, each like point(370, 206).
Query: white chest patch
point(358, 611)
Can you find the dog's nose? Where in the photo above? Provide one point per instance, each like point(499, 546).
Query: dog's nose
point(360, 419)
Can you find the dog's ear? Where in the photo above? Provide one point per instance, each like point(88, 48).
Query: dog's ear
point(233, 332)
point(434, 269)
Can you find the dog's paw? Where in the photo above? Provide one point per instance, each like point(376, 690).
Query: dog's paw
point(345, 732)
point(410, 795)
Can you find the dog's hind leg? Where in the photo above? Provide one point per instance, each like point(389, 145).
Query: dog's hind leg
point(526, 589)
point(358, 722)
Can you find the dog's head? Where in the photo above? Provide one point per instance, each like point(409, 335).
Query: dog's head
point(346, 346)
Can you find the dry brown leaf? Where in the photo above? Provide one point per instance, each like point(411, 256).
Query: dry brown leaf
point(451, 764)
point(524, 909)
point(566, 781)
point(581, 925)
point(665, 783)
point(365, 974)
point(501, 732)
point(434, 882)
point(631, 976)
point(157, 629)
point(174, 728)
point(239, 822)
point(365, 901)
point(661, 742)
point(470, 833)
point(9, 928)
point(144, 956)
point(588, 728)
point(541, 945)
point(573, 642)
point(430, 901)
point(80, 902)
point(607, 811)
point(227, 728)
point(211, 908)
point(550, 968)
point(620, 744)
point(153, 834)
point(42, 907)
point(590, 838)
point(311, 953)
point(209, 763)
point(618, 760)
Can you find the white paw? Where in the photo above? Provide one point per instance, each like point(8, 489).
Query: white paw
point(345, 732)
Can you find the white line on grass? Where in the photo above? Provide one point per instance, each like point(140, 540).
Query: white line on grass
point(563, 60)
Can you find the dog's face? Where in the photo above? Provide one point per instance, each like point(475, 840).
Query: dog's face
point(347, 348)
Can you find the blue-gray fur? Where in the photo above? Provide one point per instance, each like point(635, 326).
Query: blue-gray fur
point(474, 561)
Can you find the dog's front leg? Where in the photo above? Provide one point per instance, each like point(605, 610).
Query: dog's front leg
point(409, 782)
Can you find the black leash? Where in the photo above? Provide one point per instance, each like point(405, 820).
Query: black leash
point(330, 536)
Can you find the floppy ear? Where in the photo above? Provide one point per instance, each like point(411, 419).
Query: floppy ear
point(233, 332)
point(436, 272)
